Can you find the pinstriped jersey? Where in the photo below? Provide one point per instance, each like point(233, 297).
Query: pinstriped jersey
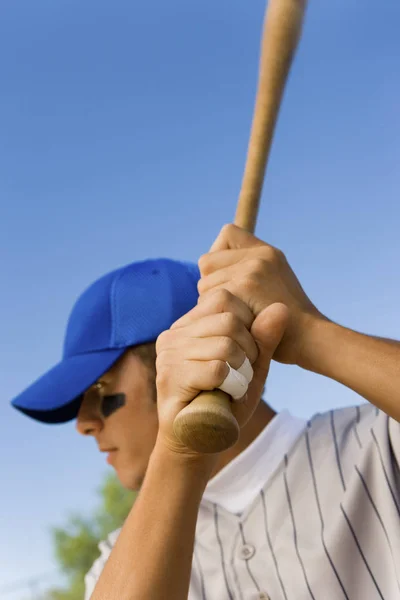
point(325, 526)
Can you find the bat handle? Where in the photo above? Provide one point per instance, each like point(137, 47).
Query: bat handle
point(207, 424)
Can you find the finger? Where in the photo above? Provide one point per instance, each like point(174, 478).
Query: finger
point(234, 238)
point(235, 385)
point(267, 330)
point(220, 301)
point(206, 375)
point(217, 280)
point(213, 348)
point(215, 374)
point(246, 370)
point(224, 325)
point(246, 290)
point(212, 261)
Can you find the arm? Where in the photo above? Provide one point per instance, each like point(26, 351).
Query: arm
point(368, 365)
point(152, 557)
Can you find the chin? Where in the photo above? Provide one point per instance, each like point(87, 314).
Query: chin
point(131, 481)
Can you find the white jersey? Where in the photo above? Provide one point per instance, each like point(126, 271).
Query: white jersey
point(325, 525)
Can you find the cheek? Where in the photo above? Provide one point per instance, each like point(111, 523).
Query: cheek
point(137, 433)
point(134, 454)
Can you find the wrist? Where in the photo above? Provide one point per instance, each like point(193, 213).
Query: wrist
point(322, 340)
point(185, 463)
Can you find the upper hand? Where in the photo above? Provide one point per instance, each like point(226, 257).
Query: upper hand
point(260, 275)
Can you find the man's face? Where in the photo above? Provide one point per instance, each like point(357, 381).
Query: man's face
point(124, 426)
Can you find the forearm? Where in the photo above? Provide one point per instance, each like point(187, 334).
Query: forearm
point(368, 365)
point(152, 558)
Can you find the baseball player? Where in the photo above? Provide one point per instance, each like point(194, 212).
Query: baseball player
point(295, 510)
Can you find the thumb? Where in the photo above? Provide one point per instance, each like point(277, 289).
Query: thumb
point(267, 330)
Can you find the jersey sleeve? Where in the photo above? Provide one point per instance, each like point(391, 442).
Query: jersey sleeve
point(379, 436)
point(394, 435)
point(93, 575)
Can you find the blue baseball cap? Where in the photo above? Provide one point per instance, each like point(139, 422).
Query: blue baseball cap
point(129, 306)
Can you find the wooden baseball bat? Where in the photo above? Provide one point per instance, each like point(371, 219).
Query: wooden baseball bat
point(207, 424)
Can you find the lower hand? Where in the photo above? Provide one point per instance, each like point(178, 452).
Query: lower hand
point(192, 357)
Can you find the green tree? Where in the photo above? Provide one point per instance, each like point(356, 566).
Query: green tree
point(76, 544)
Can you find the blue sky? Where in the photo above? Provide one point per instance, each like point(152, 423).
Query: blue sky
point(124, 129)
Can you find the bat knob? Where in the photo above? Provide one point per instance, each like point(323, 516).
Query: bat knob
point(207, 424)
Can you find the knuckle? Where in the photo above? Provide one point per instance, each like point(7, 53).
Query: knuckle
point(161, 360)
point(222, 299)
point(227, 347)
point(230, 322)
point(257, 266)
point(250, 282)
point(227, 229)
point(272, 254)
point(204, 264)
point(163, 372)
point(201, 286)
point(161, 341)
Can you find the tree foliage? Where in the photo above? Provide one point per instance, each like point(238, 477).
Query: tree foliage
point(76, 544)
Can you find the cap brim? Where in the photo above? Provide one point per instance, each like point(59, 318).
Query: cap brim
point(56, 396)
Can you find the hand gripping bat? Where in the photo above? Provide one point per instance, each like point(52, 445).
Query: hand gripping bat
point(207, 424)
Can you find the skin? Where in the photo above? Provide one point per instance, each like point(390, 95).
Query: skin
point(131, 431)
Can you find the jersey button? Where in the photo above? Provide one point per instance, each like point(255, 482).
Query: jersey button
point(263, 596)
point(247, 551)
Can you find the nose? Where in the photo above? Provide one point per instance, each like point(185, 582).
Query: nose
point(89, 426)
point(88, 421)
